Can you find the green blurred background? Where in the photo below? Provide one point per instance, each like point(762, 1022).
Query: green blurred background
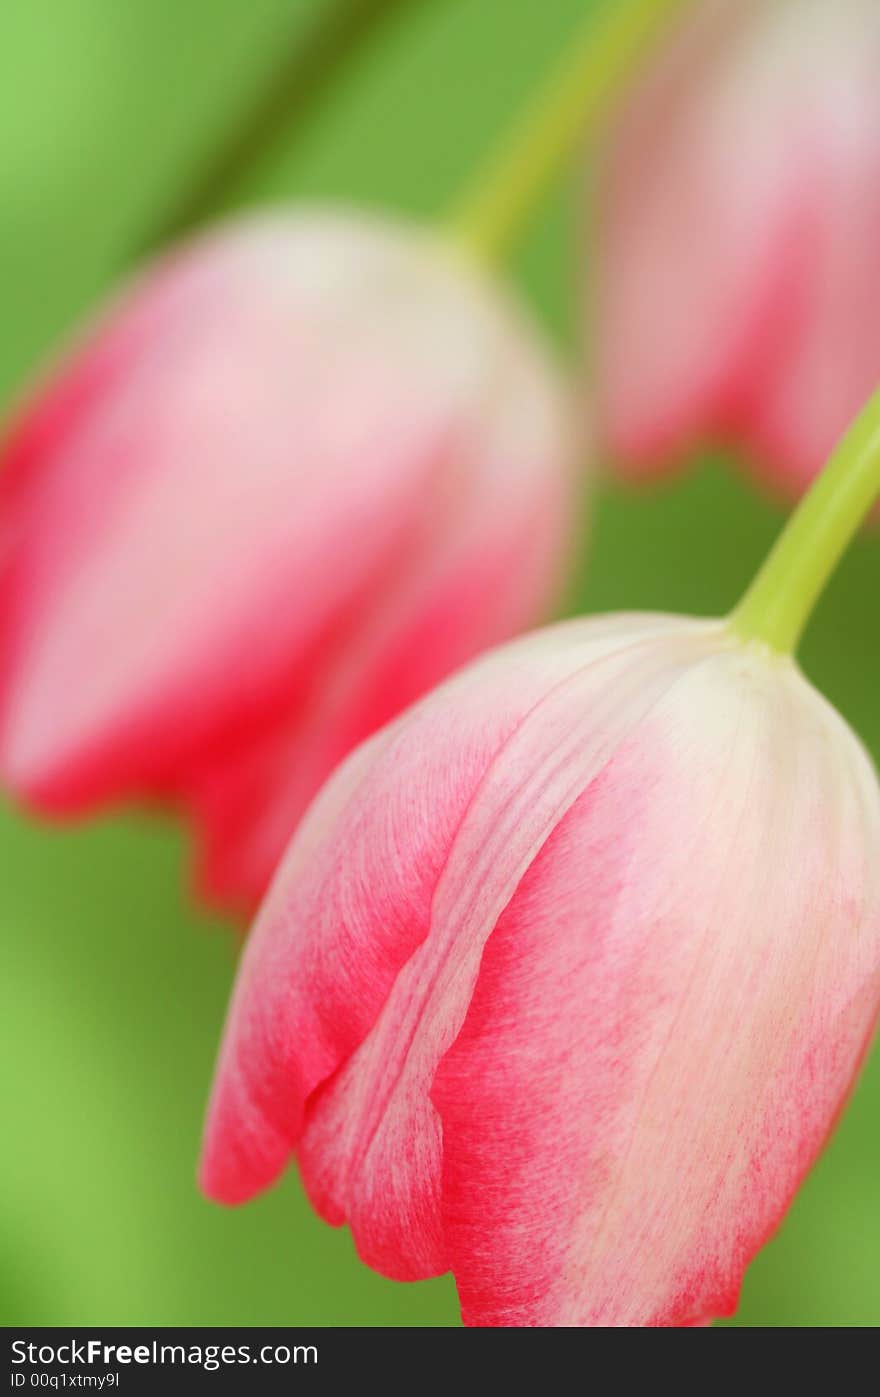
point(114, 982)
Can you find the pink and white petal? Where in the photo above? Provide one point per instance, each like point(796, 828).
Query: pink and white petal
point(351, 902)
point(372, 1150)
point(487, 560)
point(700, 246)
point(667, 1016)
point(833, 364)
point(218, 463)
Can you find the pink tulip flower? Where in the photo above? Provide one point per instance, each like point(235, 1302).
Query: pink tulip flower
point(566, 975)
point(303, 469)
point(737, 290)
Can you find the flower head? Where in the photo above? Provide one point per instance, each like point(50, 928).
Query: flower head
point(739, 228)
point(566, 975)
point(302, 469)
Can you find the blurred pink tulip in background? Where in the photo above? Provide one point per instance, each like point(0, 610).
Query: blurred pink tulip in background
point(736, 286)
point(303, 468)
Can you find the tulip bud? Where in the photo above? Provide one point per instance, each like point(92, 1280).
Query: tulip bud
point(566, 975)
point(304, 468)
point(737, 296)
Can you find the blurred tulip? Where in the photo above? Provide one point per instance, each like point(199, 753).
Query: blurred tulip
point(305, 467)
point(738, 296)
point(566, 975)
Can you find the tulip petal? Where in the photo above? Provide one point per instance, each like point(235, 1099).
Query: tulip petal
point(372, 1149)
point(351, 903)
point(667, 1015)
point(132, 573)
point(433, 609)
point(832, 363)
point(683, 317)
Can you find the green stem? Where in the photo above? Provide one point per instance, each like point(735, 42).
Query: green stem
point(299, 79)
point(577, 98)
point(778, 604)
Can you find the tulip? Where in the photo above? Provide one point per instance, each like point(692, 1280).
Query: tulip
point(306, 466)
point(738, 241)
point(565, 976)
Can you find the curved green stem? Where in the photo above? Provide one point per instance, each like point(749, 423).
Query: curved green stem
point(778, 604)
point(577, 98)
